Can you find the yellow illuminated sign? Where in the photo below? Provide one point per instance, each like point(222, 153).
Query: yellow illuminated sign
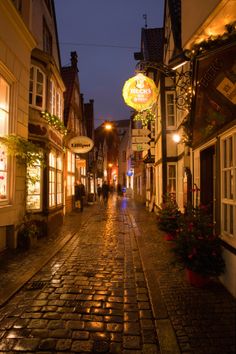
point(139, 92)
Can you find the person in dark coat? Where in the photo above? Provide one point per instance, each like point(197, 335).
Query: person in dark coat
point(105, 191)
point(99, 192)
point(80, 194)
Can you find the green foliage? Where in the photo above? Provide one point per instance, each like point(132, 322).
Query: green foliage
point(168, 215)
point(55, 122)
point(26, 153)
point(144, 116)
point(196, 246)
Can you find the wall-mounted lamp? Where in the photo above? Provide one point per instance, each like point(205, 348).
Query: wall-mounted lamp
point(176, 138)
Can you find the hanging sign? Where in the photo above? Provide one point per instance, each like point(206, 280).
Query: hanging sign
point(139, 92)
point(80, 144)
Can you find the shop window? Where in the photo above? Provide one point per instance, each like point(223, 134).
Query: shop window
point(55, 180)
point(37, 88)
point(70, 173)
point(171, 179)
point(228, 175)
point(33, 200)
point(170, 110)
point(55, 99)
point(4, 129)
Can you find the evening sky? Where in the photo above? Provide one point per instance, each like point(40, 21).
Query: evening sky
point(105, 34)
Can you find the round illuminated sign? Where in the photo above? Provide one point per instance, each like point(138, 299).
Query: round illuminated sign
point(80, 144)
point(140, 92)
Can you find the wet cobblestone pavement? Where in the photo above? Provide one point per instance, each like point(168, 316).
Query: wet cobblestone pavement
point(111, 289)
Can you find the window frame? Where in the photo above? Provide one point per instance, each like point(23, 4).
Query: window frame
point(6, 115)
point(55, 170)
point(173, 94)
point(172, 193)
point(228, 186)
point(34, 88)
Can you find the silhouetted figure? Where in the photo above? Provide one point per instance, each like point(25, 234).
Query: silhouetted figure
point(119, 190)
point(99, 192)
point(80, 194)
point(105, 191)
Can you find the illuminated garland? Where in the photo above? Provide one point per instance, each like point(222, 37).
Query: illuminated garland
point(144, 116)
point(213, 41)
point(54, 121)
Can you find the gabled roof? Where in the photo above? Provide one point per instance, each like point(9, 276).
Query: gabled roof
point(123, 123)
point(152, 44)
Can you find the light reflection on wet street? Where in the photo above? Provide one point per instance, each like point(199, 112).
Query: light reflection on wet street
point(91, 297)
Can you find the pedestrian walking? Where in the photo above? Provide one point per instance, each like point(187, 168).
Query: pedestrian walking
point(105, 191)
point(99, 192)
point(79, 195)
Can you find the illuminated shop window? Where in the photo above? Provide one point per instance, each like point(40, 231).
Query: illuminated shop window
point(228, 174)
point(37, 88)
point(4, 124)
point(33, 200)
point(55, 180)
point(70, 173)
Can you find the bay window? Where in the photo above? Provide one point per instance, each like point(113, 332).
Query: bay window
point(4, 130)
point(55, 100)
point(37, 88)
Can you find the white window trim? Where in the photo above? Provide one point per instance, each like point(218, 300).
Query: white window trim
point(176, 177)
point(229, 238)
point(33, 104)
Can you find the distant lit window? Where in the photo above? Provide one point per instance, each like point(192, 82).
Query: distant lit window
point(37, 88)
point(70, 173)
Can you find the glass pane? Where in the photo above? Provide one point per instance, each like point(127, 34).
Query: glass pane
point(39, 101)
point(39, 77)
point(33, 202)
point(39, 90)
point(4, 95)
point(230, 152)
point(170, 99)
point(224, 153)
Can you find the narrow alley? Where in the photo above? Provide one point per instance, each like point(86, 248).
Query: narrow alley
point(106, 284)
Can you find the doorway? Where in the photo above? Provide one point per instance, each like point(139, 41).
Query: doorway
point(207, 178)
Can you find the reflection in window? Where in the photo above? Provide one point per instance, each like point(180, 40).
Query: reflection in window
point(33, 200)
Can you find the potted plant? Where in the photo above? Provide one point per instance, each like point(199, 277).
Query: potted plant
point(168, 216)
point(197, 247)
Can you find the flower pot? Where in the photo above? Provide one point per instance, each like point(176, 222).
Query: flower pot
point(196, 279)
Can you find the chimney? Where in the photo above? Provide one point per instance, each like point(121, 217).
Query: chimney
point(74, 60)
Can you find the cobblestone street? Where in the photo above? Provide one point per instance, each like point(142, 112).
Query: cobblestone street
point(111, 288)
